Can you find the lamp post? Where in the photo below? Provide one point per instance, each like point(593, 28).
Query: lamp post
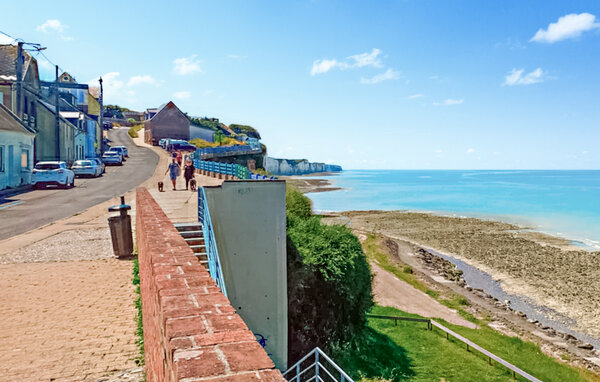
point(101, 114)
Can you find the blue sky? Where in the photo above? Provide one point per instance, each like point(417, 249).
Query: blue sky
point(387, 85)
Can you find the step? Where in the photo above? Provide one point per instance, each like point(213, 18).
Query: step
point(191, 234)
point(194, 240)
point(198, 248)
point(183, 227)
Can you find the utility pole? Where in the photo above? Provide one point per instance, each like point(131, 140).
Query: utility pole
point(101, 114)
point(56, 102)
point(19, 68)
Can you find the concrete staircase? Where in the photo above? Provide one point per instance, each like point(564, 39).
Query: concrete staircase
point(194, 236)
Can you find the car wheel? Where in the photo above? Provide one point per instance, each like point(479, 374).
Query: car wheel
point(72, 183)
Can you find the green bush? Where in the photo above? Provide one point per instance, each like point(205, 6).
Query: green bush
point(329, 281)
point(297, 204)
point(133, 130)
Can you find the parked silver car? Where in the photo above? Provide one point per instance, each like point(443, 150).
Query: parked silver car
point(52, 173)
point(86, 168)
point(99, 163)
point(112, 157)
point(118, 149)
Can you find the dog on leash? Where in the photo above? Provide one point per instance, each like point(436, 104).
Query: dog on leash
point(193, 184)
point(160, 186)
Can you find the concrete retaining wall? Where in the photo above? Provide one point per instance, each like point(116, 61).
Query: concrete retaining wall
point(191, 331)
point(249, 225)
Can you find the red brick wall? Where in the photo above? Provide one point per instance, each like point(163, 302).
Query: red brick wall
point(191, 331)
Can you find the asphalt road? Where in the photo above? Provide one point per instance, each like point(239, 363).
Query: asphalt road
point(30, 210)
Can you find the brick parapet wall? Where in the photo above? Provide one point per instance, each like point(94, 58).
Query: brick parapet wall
point(191, 331)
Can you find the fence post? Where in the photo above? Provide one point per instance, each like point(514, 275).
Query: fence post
point(298, 373)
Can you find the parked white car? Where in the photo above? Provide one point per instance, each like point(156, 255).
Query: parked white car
point(123, 150)
point(120, 150)
point(99, 163)
point(112, 157)
point(52, 173)
point(86, 167)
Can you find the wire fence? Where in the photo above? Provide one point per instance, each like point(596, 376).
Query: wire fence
point(469, 344)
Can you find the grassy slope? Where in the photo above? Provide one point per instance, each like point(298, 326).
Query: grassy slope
point(411, 352)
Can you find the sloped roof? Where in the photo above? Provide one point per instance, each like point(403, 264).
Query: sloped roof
point(8, 56)
point(10, 122)
point(164, 106)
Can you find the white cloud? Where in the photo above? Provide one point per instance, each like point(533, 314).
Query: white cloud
point(516, 77)
point(416, 96)
point(235, 56)
point(182, 95)
point(449, 102)
point(387, 75)
point(366, 59)
point(568, 26)
point(434, 77)
point(323, 66)
point(355, 61)
point(54, 25)
point(470, 151)
point(439, 151)
point(115, 89)
point(186, 65)
point(142, 80)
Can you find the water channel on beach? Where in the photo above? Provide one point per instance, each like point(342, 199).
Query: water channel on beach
point(477, 279)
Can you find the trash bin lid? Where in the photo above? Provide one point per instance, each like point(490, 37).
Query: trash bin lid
point(120, 207)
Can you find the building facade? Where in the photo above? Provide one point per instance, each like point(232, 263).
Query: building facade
point(16, 150)
point(168, 122)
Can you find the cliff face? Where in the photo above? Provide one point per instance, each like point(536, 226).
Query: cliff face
point(297, 166)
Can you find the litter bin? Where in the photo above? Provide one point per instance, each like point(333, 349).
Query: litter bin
point(120, 230)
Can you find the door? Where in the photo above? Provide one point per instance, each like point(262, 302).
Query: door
point(10, 174)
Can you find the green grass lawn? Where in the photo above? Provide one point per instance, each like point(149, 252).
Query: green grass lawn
point(410, 352)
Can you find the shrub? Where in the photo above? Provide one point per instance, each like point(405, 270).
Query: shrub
point(296, 204)
point(329, 281)
point(133, 130)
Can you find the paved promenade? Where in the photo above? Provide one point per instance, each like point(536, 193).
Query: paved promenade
point(68, 309)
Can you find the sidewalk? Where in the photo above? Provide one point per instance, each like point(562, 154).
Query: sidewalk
point(67, 304)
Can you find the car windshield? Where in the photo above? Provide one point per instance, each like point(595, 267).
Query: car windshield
point(82, 163)
point(111, 154)
point(47, 166)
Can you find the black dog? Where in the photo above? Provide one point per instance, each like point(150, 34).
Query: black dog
point(160, 186)
point(193, 184)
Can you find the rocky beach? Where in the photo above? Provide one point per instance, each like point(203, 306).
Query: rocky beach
point(547, 270)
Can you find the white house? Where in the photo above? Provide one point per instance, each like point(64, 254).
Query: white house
point(16, 151)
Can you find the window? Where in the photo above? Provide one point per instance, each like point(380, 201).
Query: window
point(25, 159)
point(1, 98)
point(1, 158)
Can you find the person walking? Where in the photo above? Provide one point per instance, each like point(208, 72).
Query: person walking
point(174, 170)
point(179, 158)
point(188, 172)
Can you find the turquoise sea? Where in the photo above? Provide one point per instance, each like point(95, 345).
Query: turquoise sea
point(563, 203)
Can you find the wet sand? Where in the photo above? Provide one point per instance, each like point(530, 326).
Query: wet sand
point(548, 270)
point(306, 185)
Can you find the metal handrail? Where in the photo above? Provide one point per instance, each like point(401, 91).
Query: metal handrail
point(470, 344)
point(296, 371)
point(212, 253)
